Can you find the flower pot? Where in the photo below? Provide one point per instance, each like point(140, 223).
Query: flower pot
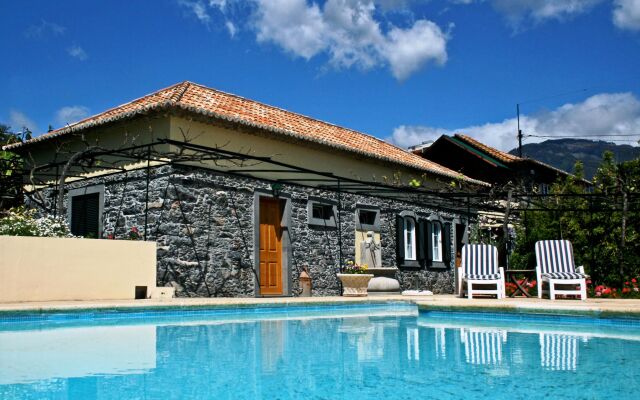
point(355, 284)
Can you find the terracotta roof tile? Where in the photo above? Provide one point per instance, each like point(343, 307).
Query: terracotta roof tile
point(216, 104)
point(500, 155)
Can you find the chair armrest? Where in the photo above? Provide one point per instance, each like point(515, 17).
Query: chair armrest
point(580, 269)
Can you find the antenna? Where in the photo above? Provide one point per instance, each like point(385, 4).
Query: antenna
point(519, 131)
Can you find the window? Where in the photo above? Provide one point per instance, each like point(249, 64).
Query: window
point(543, 188)
point(322, 212)
point(367, 218)
point(436, 242)
point(85, 215)
point(409, 238)
point(84, 211)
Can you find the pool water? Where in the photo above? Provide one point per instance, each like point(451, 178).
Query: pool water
point(388, 352)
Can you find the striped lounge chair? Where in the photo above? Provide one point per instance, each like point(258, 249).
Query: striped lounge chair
point(556, 267)
point(480, 267)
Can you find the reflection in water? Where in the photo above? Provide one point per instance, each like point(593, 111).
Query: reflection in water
point(413, 344)
point(559, 352)
point(272, 342)
point(483, 346)
point(440, 343)
point(288, 356)
point(27, 356)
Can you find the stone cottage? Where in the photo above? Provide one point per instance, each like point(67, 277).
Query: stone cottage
point(241, 197)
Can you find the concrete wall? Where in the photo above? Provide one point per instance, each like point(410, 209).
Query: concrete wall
point(41, 269)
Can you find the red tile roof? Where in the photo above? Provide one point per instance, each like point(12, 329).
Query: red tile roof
point(495, 153)
point(508, 158)
point(218, 105)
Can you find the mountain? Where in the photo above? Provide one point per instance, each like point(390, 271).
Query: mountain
point(563, 153)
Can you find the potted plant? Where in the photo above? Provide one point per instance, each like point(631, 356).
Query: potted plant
point(355, 279)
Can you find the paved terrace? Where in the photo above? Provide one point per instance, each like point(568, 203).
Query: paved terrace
point(592, 307)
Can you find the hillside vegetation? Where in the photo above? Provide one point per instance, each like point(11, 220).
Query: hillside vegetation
point(563, 153)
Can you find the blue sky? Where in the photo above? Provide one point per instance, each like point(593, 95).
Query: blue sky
point(402, 70)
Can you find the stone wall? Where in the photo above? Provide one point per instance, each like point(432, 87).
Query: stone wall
point(203, 222)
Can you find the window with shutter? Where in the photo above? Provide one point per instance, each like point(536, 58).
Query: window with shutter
point(400, 239)
point(436, 242)
point(85, 215)
point(446, 243)
point(410, 242)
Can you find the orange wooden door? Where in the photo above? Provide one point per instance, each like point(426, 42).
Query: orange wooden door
point(270, 247)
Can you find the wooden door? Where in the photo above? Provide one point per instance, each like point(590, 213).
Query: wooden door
point(270, 247)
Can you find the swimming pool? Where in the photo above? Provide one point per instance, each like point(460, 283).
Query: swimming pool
point(353, 352)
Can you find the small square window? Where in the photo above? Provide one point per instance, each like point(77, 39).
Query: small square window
point(322, 213)
point(367, 219)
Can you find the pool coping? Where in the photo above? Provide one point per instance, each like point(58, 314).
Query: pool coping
point(595, 308)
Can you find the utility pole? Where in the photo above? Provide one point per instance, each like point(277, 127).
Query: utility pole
point(519, 131)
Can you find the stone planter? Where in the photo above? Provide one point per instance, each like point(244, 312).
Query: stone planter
point(355, 284)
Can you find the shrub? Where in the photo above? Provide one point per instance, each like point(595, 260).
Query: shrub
point(23, 222)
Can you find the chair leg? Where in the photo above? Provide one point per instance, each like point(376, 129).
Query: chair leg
point(583, 291)
point(552, 291)
point(469, 290)
point(540, 287)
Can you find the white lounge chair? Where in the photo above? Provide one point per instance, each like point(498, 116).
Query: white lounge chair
point(557, 267)
point(480, 267)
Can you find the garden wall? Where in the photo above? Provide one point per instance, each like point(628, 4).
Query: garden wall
point(44, 269)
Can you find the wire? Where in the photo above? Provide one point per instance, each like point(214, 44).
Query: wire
point(582, 136)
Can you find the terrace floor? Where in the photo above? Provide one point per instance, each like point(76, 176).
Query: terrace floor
point(595, 307)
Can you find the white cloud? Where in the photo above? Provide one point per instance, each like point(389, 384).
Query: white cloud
point(70, 114)
point(537, 11)
point(44, 28)
point(626, 14)
point(78, 52)
point(348, 32)
point(408, 50)
point(602, 114)
point(231, 28)
point(19, 120)
point(292, 24)
point(199, 9)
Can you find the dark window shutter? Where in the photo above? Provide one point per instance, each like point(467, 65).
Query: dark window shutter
point(420, 240)
point(85, 215)
point(446, 243)
point(400, 239)
point(427, 241)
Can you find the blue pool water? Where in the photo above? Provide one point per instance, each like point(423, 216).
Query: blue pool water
point(383, 352)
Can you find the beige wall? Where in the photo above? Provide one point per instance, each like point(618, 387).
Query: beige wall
point(308, 155)
point(124, 134)
point(41, 269)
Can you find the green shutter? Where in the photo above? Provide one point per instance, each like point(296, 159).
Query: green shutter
point(400, 239)
point(446, 243)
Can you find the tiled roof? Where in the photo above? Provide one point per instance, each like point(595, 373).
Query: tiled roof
point(506, 157)
point(218, 105)
point(495, 153)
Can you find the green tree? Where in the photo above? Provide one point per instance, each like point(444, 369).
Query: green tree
point(603, 227)
point(10, 165)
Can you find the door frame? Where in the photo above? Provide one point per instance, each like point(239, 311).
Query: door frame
point(285, 199)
